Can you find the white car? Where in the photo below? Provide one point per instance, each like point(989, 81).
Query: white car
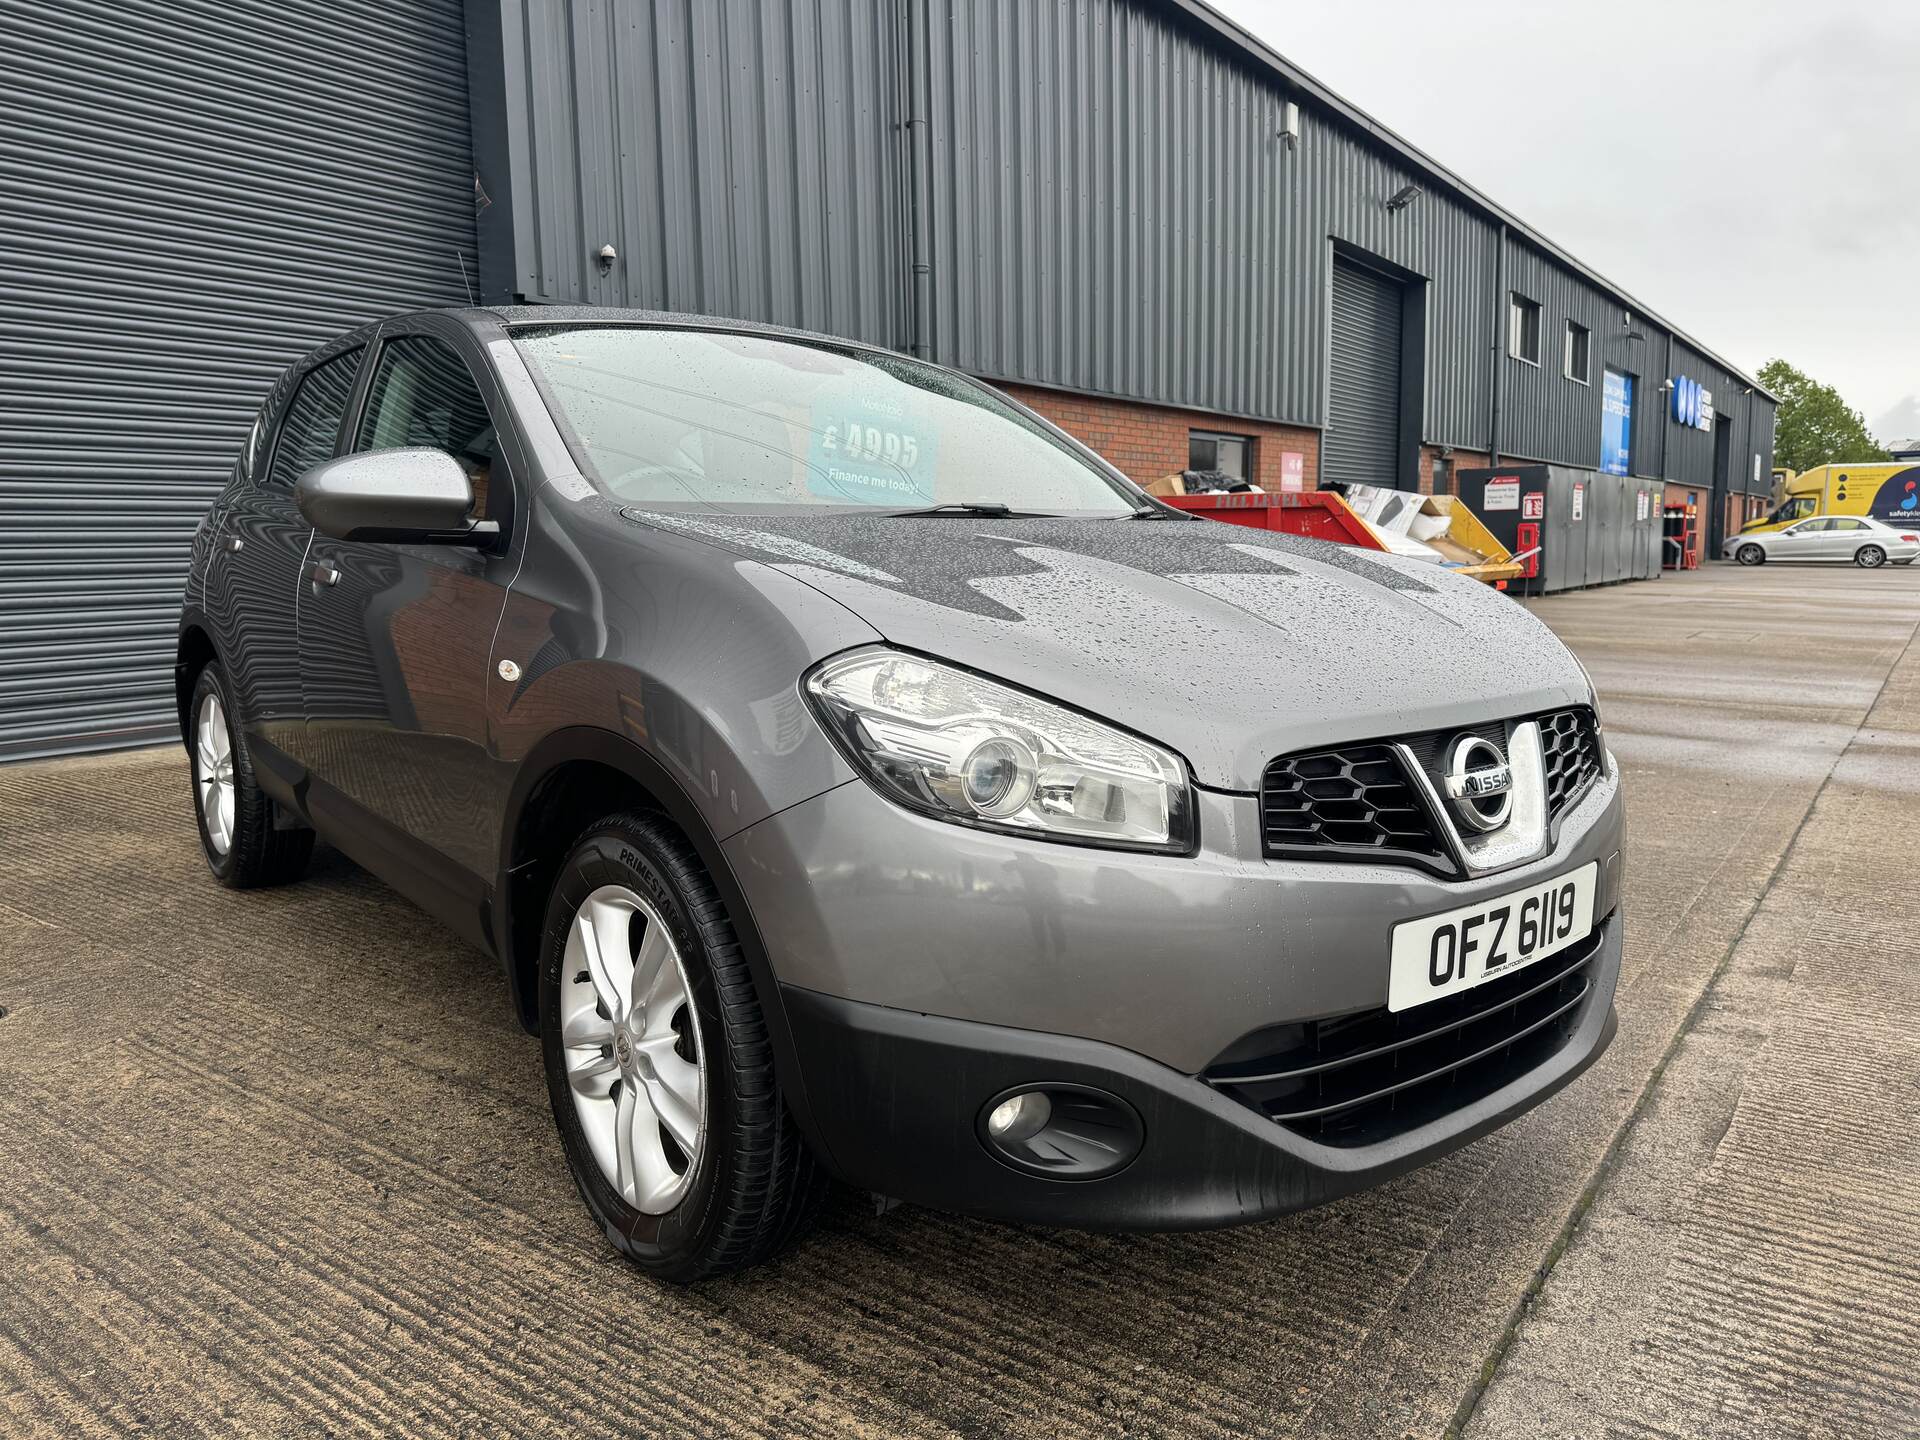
point(1844, 539)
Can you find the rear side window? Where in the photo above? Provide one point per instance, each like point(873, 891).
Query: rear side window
point(423, 394)
point(256, 442)
point(311, 426)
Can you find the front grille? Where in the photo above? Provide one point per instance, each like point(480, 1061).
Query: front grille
point(1368, 1077)
point(1572, 746)
point(1356, 798)
point(1359, 799)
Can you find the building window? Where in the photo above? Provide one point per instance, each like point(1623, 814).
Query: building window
point(1523, 328)
point(1579, 347)
point(1229, 454)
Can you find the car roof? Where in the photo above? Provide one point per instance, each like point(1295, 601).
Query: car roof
point(519, 315)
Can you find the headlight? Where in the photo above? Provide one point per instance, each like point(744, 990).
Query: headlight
point(955, 746)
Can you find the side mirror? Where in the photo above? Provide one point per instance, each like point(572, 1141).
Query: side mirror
point(414, 496)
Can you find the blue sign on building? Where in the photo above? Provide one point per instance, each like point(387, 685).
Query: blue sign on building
point(1692, 404)
point(1616, 423)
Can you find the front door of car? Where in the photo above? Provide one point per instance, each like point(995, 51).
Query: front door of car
point(1804, 541)
point(253, 575)
point(396, 640)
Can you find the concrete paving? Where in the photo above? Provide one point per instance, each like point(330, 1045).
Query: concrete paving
point(281, 1162)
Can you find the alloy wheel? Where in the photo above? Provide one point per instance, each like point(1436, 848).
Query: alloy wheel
point(631, 1040)
point(213, 772)
point(1871, 557)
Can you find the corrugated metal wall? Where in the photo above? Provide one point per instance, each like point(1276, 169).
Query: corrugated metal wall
point(192, 193)
point(741, 158)
point(1114, 210)
point(1690, 451)
point(1545, 415)
point(1117, 212)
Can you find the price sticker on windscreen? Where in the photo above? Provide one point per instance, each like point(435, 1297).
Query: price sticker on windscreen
point(868, 452)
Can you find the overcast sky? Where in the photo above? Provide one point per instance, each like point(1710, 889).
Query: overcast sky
point(1749, 171)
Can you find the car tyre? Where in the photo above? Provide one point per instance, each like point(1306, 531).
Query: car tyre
point(658, 1061)
point(1869, 557)
point(241, 834)
point(1750, 555)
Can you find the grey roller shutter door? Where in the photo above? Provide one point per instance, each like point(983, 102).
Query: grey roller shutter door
point(1362, 444)
point(192, 194)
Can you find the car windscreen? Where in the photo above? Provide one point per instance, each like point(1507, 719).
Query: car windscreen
point(726, 421)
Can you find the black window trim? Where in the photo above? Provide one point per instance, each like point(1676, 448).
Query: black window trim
point(1566, 352)
point(470, 351)
point(1514, 298)
point(263, 476)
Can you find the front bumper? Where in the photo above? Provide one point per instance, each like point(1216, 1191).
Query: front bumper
point(928, 968)
point(896, 1099)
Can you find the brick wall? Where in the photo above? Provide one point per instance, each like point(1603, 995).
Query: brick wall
point(1146, 442)
point(1459, 459)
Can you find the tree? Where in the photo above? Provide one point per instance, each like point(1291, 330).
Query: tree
point(1814, 425)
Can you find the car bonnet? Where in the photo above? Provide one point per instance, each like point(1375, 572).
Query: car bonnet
point(1231, 645)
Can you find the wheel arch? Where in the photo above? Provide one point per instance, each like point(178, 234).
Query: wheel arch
point(571, 778)
point(194, 651)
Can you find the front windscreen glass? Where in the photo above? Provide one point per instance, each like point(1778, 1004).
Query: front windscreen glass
point(705, 419)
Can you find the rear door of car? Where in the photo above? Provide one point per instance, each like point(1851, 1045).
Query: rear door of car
point(253, 576)
point(1847, 537)
point(396, 639)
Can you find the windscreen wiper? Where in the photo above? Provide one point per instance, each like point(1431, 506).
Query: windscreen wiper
point(991, 509)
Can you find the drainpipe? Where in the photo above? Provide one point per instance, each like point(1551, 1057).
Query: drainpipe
point(1666, 404)
point(920, 176)
point(1499, 344)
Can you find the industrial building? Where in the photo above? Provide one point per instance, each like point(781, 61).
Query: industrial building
point(1130, 213)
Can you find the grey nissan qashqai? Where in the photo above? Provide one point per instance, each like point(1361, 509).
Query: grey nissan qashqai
point(857, 777)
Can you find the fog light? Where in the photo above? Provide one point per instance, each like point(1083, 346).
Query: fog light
point(1020, 1117)
point(1062, 1131)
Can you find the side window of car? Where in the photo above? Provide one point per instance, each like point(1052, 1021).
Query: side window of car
point(1847, 525)
point(423, 394)
point(256, 441)
point(311, 426)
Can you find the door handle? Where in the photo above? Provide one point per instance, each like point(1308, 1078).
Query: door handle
point(235, 544)
point(323, 574)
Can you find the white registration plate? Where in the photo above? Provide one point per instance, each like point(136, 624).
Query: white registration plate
point(1460, 949)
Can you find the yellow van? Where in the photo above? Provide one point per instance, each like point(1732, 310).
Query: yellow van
point(1889, 493)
